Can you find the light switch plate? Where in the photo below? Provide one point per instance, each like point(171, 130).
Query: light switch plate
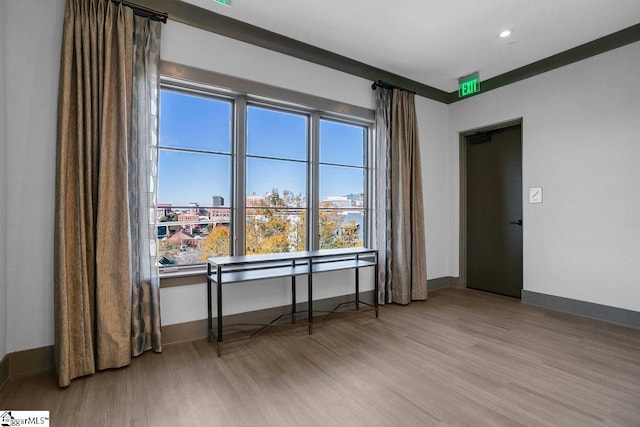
point(535, 194)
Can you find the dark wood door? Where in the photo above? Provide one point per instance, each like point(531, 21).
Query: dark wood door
point(494, 211)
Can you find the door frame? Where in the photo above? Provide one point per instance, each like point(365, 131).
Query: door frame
point(462, 137)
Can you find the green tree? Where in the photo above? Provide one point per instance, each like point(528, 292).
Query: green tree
point(349, 237)
point(217, 243)
point(329, 228)
point(271, 225)
point(300, 234)
point(333, 233)
point(270, 228)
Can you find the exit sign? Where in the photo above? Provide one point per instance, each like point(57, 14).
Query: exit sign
point(224, 2)
point(468, 85)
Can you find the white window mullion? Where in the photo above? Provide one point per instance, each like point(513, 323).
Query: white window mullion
point(314, 183)
point(370, 190)
point(239, 175)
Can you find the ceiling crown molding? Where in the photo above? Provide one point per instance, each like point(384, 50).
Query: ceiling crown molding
point(207, 20)
point(596, 47)
point(189, 14)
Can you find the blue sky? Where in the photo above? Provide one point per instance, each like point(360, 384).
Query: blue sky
point(199, 123)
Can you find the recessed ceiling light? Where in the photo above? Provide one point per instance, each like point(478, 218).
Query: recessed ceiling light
point(505, 34)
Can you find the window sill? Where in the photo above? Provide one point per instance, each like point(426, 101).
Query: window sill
point(185, 277)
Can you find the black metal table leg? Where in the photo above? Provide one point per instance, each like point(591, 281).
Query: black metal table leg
point(310, 286)
point(357, 284)
point(375, 283)
point(209, 307)
point(293, 299)
point(219, 298)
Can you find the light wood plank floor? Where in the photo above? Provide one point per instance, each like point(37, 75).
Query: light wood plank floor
point(461, 358)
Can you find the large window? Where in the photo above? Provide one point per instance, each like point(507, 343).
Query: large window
point(343, 175)
point(242, 176)
point(276, 188)
point(194, 177)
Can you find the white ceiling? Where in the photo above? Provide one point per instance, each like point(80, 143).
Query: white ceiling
point(436, 41)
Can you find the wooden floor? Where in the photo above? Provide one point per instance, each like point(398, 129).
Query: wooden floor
point(461, 358)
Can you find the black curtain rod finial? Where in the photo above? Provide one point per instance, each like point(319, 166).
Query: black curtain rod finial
point(380, 83)
point(389, 86)
point(144, 11)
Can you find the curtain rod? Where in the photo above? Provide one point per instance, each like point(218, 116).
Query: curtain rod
point(385, 85)
point(145, 11)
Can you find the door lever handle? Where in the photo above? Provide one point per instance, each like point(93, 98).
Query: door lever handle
point(518, 222)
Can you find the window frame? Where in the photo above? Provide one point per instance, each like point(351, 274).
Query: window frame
point(246, 94)
point(274, 105)
point(367, 169)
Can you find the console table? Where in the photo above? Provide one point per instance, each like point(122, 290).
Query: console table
point(234, 269)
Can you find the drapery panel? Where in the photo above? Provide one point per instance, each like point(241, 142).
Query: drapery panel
point(409, 275)
point(94, 260)
point(400, 234)
point(143, 178)
point(382, 229)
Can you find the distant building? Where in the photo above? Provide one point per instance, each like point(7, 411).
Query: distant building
point(183, 239)
point(220, 214)
point(194, 208)
point(354, 197)
point(189, 217)
point(163, 209)
point(357, 199)
point(165, 261)
point(217, 201)
point(339, 202)
point(255, 200)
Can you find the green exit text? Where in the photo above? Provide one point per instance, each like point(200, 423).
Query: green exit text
point(468, 87)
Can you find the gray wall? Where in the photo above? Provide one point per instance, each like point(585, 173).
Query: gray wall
point(33, 36)
point(580, 143)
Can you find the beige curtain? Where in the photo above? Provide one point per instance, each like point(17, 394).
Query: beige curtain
point(382, 183)
point(93, 238)
point(143, 178)
point(400, 232)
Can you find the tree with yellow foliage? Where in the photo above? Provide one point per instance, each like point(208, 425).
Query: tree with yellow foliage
point(272, 226)
point(217, 243)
